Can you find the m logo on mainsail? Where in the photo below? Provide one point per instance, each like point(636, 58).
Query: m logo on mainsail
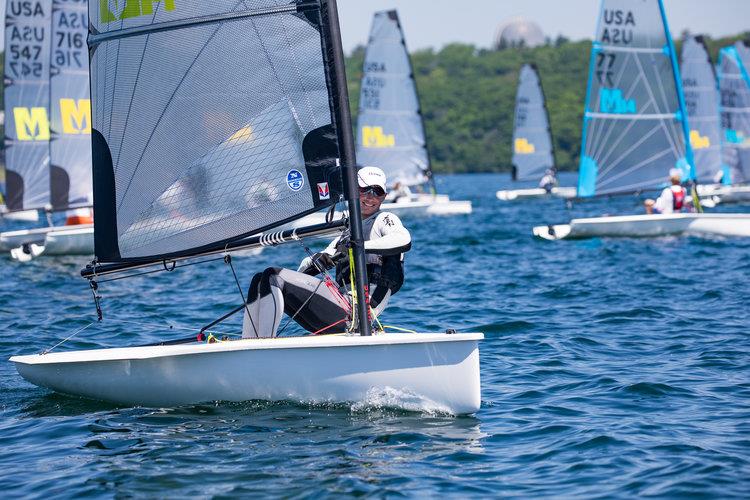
point(76, 116)
point(374, 137)
point(31, 124)
point(117, 10)
point(612, 101)
point(699, 141)
point(523, 146)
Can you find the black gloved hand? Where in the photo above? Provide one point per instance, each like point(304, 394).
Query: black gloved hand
point(342, 247)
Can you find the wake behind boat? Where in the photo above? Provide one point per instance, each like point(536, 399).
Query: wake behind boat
point(635, 130)
point(297, 155)
point(390, 129)
point(48, 125)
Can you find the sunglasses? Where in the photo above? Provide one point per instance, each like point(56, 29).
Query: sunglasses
point(371, 190)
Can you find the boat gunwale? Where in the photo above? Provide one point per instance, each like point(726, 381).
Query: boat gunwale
point(305, 342)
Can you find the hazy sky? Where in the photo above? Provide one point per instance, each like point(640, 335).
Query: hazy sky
point(434, 23)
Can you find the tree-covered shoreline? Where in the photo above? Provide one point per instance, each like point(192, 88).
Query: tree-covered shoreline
point(468, 97)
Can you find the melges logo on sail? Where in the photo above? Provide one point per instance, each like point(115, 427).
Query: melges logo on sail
point(118, 10)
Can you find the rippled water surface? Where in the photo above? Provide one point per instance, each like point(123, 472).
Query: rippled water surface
point(611, 367)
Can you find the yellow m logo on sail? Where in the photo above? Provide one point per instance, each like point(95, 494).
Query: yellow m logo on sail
point(698, 141)
point(523, 146)
point(76, 116)
point(31, 124)
point(374, 137)
point(117, 10)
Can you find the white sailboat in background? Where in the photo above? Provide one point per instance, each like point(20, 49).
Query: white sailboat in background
point(533, 153)
point(702, 100)
point(635, 127)
point(262, 152)
point(734, 107)
point(48, 127)
point(390, 129)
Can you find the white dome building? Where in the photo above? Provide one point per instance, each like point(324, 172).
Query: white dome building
point(518, 32)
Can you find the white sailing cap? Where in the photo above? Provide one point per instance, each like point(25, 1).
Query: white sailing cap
point(675, 172)
point(371, 176)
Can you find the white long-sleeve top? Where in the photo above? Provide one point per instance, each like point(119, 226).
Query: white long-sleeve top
point(384, 234)
point(665, 202)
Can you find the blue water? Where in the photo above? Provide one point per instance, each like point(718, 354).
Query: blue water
point(611, 368)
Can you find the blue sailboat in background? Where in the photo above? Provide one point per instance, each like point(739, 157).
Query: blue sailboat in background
point(635, 127)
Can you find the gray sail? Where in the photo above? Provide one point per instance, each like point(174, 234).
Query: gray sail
point(702, 103)
point(734, 85)
point(212, 121)
point(27, 109)
point(532, 142)
point(635, 125)
point(70, 123)
point(390, 132)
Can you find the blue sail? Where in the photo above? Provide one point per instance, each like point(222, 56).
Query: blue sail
point(532, 142)
point(635, 124)
point(27, 106)
point(734, 85)
point(70, 106)
point(702, 103)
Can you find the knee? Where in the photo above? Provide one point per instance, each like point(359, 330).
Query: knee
point(269, 278)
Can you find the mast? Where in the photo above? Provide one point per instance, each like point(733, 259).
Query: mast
point(351, 186)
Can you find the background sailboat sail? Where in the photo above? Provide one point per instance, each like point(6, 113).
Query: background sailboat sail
point(702, 103)
point(70, 124)
point(532, 142)
point(390, 132)
point(27, 106)
point(212, 121)
point(734, 85)
point(635, 125)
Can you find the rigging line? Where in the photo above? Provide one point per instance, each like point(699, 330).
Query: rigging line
point(228, 259)
point(171, 327)
point(66, 339)
point(161, 269)
point(289, 320)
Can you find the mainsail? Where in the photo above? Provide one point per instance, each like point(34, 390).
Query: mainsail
point(532, 141)
point(70, 124)
point(390, 132)
point(702, 103)
point(212, 121)
point(734, 85)
point(27, 103)
point(635, 125)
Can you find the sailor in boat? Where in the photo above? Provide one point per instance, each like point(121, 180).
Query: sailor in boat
point(672, 199)
point(549, 181)
point(323, 305)
point(400, 193)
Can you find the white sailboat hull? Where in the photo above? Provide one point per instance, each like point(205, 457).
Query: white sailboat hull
point(22, 215)
point(726, 194)
point(55, 240)
point(648, 226)
point(526, 194)
point(434, 371)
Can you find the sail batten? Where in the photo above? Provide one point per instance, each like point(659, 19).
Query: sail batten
point(390, 130)
point(635, 123)
point(532, 141)
point(212, 122)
